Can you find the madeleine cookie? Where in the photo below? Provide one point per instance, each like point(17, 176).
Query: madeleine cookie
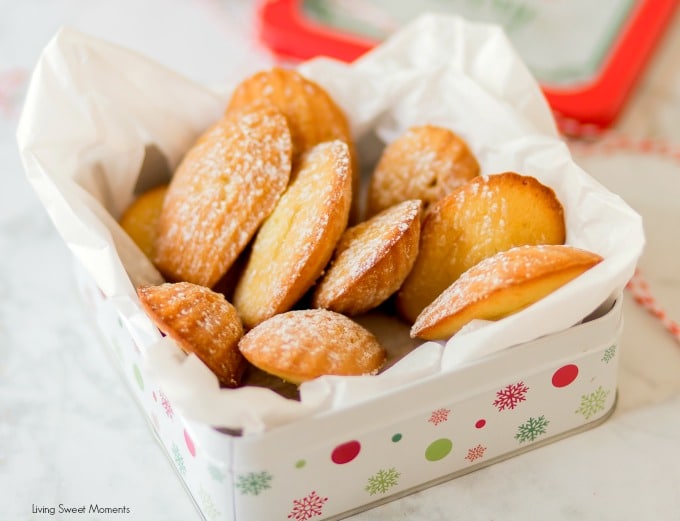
point(301, 345)
point(371, 261)
point(502, 285)
point(425, 163)
point(297, 240)
point(312, 114)
point(201, 322)
point(140, 219)
point(486, 215)
point(225, 186)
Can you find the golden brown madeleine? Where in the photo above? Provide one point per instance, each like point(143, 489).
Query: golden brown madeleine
point(202, 322)
point(426, 163)
point(225, 186)
point(371, 261)
point(502, 285)
point(301, 345)
point(297, 240)
point(140, 219)
point(486, 215)
point(313, 116)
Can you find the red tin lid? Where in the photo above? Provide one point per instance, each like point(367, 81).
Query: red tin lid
point(583, 105)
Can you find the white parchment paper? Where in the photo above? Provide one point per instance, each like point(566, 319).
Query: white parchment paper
point(101, 123)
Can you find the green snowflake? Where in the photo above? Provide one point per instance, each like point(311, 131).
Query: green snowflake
point(609, 354)
point(531, 429)
point(592, 403)
point(254, 482)
point(382, 481)
point(179, 460)
point(215, 473)
point(207, 505)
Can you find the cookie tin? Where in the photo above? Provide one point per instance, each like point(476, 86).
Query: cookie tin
point(422, 434)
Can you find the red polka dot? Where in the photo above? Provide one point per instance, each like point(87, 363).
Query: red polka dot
point(346, 452)
point(480, 423)
point(565, 375)
point(190, 444)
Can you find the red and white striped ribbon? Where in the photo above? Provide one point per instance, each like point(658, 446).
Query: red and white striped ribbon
point(610, 143)
point(640, 291)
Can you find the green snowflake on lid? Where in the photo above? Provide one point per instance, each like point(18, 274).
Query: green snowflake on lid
point(609, 354)
point(532, 429)
point(592, 403)
point(254, 482)
point(179, 460)
point(382, 481)
point(216, 473)
point(207, 505)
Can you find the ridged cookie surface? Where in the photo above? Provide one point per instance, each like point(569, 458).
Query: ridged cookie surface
point(426, 163)
point(371, 261)
point(304, 344)
point(502, 285)
point(201, 322)
point(313, 116)
point(225, 186)
point(486, 215)
point(297, 240)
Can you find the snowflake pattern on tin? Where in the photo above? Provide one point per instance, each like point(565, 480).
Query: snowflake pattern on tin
point(510, 396)
point(179, 460)
point(475, 453)
point(307, 507)
point(207, 505)
point(254, 482)
point(592, 403)
point(382, 481)
point(165, 403)
point(439, 416)
point(609, 354)
point(532, 429)
point(215, 473)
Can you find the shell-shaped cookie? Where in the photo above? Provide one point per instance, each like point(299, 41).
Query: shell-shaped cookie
point(297, 240)
point(140, 219)
point(313, 116)
point(202, 322)
point(426, 163)
point(502, 285)
point(301, 345)
point(371, 261)
point(486, 215)
point(225, 186)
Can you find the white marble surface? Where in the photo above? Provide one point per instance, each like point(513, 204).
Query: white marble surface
point(71, 434)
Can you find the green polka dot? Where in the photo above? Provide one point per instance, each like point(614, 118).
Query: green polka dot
point(300, 463)
point(138, 376)
point(396, 437)
point(438, 449)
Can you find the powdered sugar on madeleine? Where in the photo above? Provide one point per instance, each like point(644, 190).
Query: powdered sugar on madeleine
point(371, 261)
point(297, 240)
point(304, 344)
point(225, 186)
point(501, 285)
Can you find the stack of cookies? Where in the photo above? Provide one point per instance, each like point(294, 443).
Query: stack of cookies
point(269, 251)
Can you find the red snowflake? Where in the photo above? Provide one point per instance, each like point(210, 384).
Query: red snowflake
point(510, 396)
point(307, 507)
point(439, 416)
point(475, 453)
point(167, 406)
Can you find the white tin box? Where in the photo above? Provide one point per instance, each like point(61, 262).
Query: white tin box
point(417, 436)
point(98, 122)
